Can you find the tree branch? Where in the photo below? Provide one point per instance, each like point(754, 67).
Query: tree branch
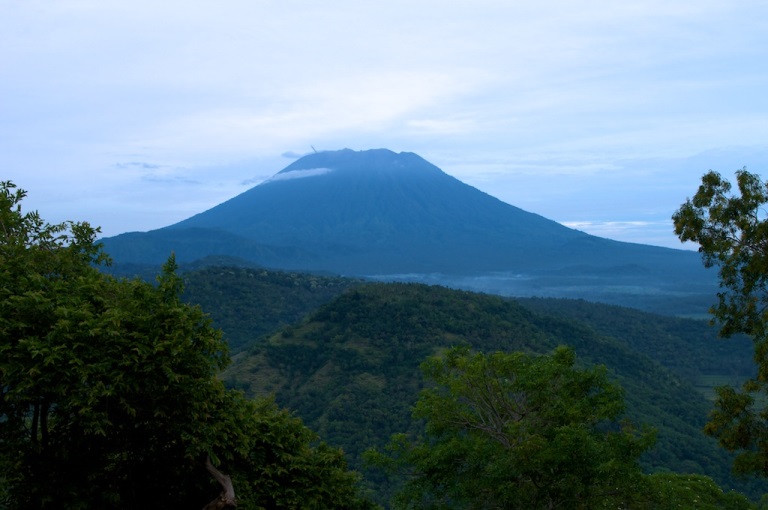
point(227, 497)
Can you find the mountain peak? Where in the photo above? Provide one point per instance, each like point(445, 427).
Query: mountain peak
point(379, 212)
point(324, 162)
point(347, 160)
point(344, 157)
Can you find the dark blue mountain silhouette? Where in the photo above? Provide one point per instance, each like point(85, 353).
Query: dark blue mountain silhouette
point(377, 212)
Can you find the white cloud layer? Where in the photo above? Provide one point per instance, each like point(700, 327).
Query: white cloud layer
point(298, 174)
point(135, 115)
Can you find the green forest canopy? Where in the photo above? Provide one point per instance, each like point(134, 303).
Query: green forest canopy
point(110, 395)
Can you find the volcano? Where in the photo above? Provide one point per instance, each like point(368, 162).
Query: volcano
point(381, 213)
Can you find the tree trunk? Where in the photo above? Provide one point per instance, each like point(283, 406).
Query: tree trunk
point(227, 497)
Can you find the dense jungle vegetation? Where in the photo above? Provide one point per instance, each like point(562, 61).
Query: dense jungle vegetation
point(110, 395)
point(119, 393)
point(351, 369)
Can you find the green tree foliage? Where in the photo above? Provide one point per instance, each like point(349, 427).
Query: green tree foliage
point(286, 467)
point(351, 370)
point(690, 348)
point(669, 491)
point(109, 396)
point(511, 430)
point(248, 303)
point(732, 233)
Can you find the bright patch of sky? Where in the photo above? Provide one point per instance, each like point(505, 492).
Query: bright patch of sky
point(602, 115)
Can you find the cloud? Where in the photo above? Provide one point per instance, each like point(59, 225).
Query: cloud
point(252, 181)
point(658, 232)
point(614, 226)
point(298, 174)
point(138, 164)
point(441, 126)
point(157, 173)
point(176, 179)
point(541, 104)
point(293, 154)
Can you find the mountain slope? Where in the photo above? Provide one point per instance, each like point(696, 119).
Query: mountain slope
point(377, 211)
point(248, 303)
point(393, 215)
point(350, 370)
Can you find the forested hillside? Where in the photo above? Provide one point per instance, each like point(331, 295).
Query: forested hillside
point(692, 349)
point(111, 395)
point(248, 303)
point(350, 369)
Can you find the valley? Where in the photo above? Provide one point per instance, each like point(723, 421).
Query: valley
point(347, 359)
point(335, 279)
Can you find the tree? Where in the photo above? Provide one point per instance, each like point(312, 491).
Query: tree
point(512, 430)
point(671, 491)
point(109, 395)
point(284, 465)
point(732, 233)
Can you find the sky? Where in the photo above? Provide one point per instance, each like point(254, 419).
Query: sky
point(598, 114)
